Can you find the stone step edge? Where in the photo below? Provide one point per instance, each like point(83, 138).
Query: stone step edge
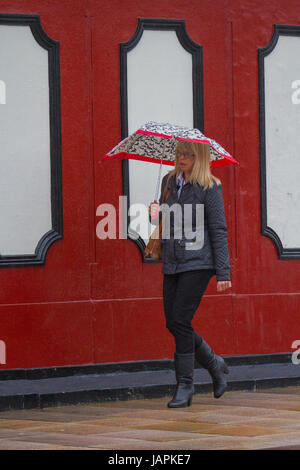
point(44, 400)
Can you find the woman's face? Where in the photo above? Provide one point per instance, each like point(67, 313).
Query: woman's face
point(186, 161)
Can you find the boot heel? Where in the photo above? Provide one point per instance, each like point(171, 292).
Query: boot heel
point(190, 401)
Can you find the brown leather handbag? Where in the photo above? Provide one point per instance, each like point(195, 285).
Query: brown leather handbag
point(153, 247)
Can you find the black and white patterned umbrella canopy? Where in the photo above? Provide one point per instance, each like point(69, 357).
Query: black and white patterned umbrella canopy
point(156, 142)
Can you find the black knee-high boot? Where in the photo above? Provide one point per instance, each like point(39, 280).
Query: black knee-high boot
point(184, 370)
point(214, 364)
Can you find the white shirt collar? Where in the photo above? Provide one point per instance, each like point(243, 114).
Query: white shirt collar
point(180, 179)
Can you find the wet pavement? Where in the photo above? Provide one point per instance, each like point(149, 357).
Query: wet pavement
point(240, 420)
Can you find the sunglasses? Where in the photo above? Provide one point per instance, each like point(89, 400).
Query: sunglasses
point(185, 154)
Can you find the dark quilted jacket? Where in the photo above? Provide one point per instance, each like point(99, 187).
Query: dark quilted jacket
point(214, 252)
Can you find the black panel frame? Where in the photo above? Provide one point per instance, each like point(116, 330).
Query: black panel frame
point(284, 30)
point(56, 233)
point(198, 106)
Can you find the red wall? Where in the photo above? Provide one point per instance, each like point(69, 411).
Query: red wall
point(95, 301)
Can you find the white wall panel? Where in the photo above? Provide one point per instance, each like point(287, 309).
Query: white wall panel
point(160, 88)
point(282, 139)
point(25, 199)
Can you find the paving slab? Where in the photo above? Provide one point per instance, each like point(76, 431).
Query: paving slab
point(239, 420)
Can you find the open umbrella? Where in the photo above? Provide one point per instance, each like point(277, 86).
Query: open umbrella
point(156, 142)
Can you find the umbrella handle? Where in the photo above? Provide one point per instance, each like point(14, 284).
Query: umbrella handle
point(159, 173)
point(158, 181)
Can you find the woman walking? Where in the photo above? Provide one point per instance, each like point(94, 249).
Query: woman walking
point(187, 269)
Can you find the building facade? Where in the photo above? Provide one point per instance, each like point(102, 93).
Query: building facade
point(78, 76)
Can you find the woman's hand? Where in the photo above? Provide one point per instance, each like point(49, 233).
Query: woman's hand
point(223, 285)
point(153, 210)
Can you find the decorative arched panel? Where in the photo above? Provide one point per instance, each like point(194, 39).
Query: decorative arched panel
point(279, 115)
point(30, 141)
point(162, 81)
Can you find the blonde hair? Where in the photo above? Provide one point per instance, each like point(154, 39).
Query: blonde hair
point(201, 170)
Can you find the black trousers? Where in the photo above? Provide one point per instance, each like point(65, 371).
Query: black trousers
point(182, 294)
